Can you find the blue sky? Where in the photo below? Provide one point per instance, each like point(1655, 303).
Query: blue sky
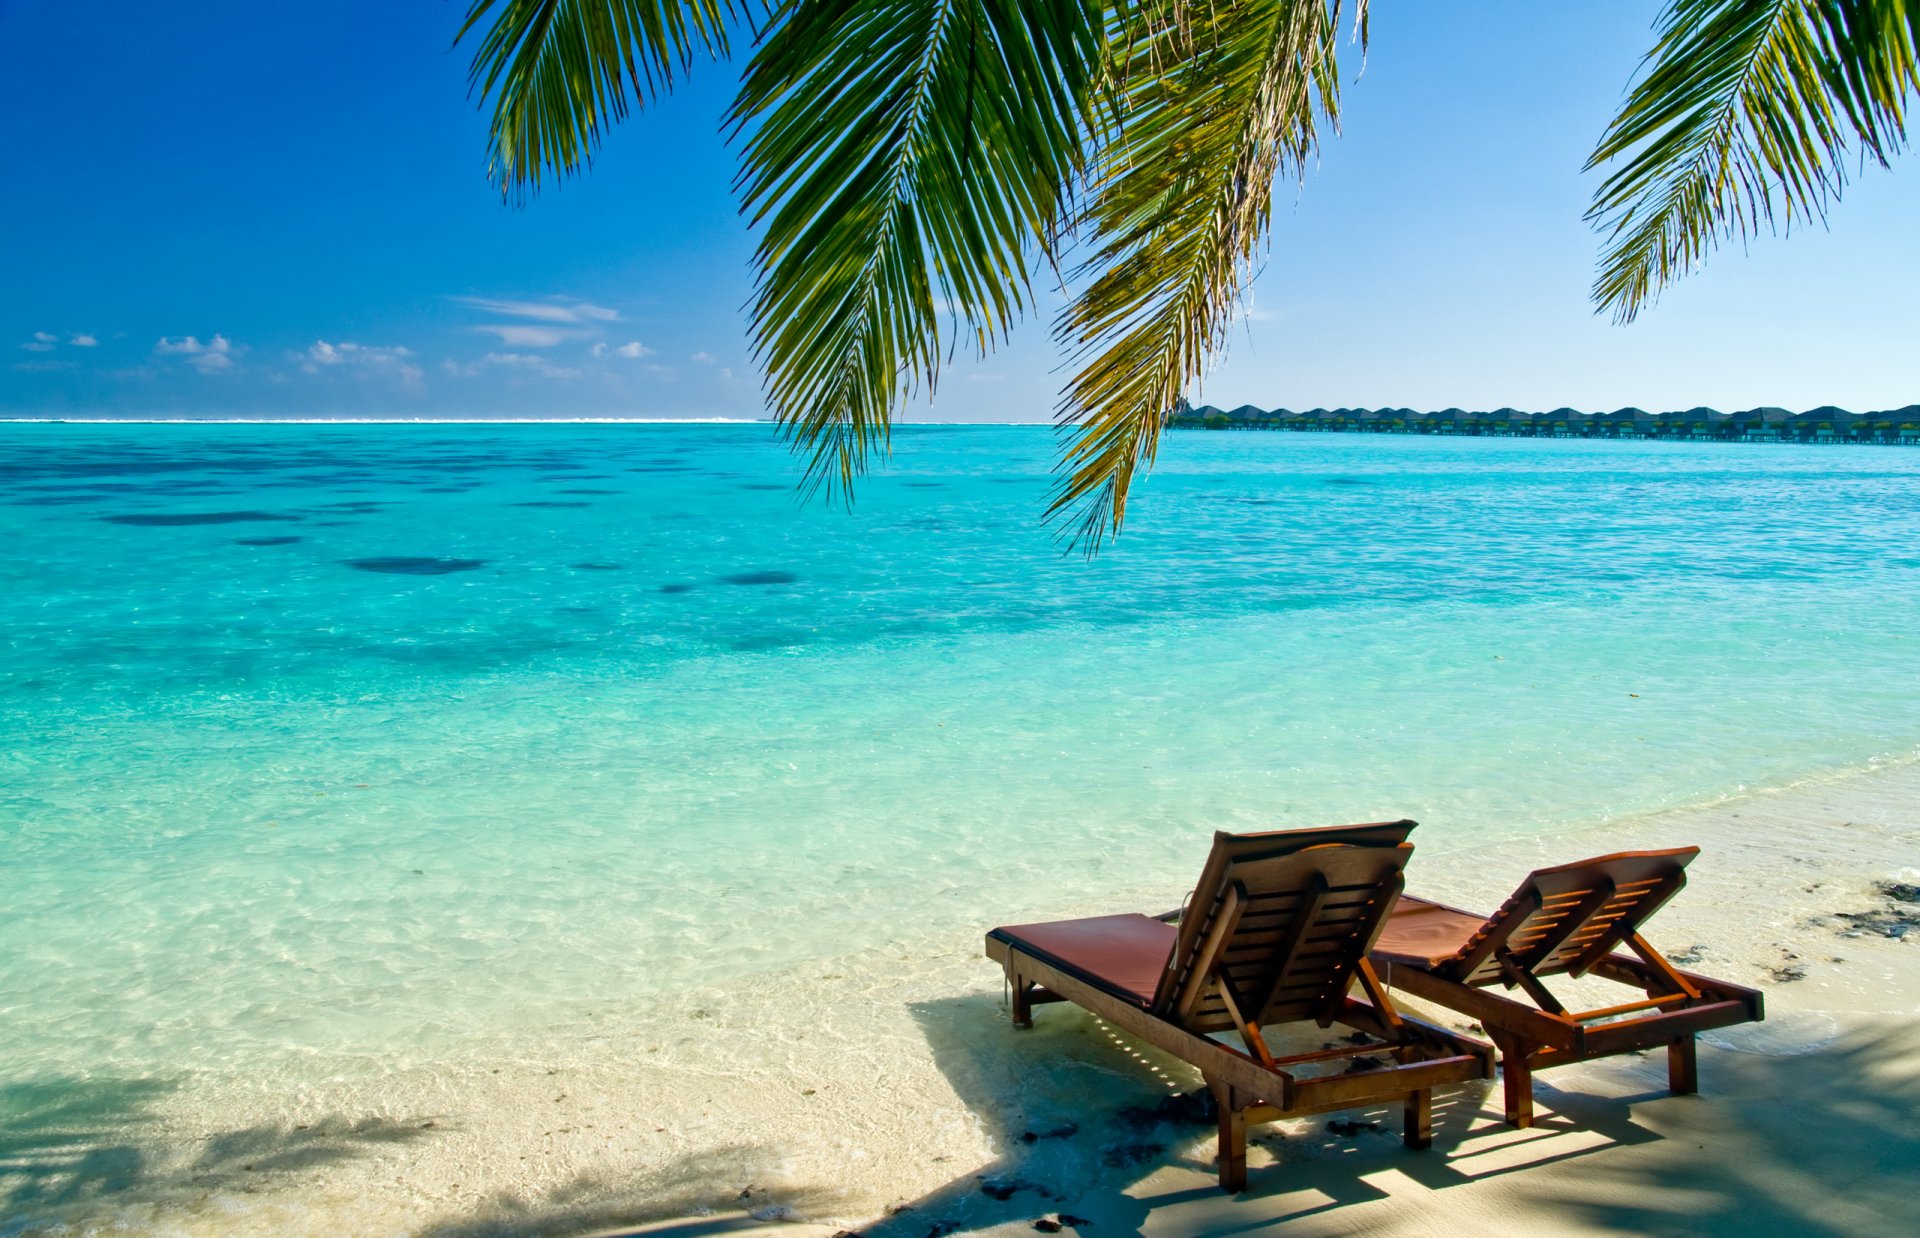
point(230, 209)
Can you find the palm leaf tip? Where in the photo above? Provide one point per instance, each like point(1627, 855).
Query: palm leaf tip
point(1211, 104)
point(904, 160)
point(1743, 120)
point(559, 72)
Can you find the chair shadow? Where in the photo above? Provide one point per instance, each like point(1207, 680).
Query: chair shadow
point(68, 1145)
point(1086, 1120)
point(1822, 1142)
point(1819, 1143)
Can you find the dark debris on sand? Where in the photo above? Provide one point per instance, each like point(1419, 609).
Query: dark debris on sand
point(1128, 1155)
point(1896, 917)
point(1348, 1129)
point(1006, 1188)
point(1195, 1108)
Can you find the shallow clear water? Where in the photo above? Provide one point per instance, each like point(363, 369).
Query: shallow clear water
point(443, 736)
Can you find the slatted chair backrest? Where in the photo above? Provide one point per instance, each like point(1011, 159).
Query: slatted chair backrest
point(1568, 918)
point(1284, 936)
point(1229, 849)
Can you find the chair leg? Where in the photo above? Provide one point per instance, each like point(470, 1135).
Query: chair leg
point(1233, 1138)
point(1517, 1079)
point(1683, 1066)
point(1419, 1119)
point(1021, 990)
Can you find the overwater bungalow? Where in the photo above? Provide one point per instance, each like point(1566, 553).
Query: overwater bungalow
point(1825, 424)
point(1820, 425)
point(1699, 422)
point(1565, 422)
point(1626, 422)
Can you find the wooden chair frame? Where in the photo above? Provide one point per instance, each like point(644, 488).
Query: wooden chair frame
point(1570, 920)
point(1200, 994)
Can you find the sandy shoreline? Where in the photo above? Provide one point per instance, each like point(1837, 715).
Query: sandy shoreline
point(886, 1094)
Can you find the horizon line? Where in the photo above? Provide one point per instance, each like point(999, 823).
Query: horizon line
point(455, 421)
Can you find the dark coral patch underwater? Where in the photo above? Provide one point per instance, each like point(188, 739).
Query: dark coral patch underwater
point(171, 519)
point(761, 578)
point(410, 565)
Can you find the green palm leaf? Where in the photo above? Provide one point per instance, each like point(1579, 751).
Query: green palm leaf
point(907, 158)
point(558, 72)
point(1211, 104)
point(1743, 120)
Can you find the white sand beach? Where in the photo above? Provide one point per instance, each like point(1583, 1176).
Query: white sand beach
point(888, 1095)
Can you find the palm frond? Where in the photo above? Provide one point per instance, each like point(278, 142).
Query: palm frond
point(1213, 102)
point(559, 72)
point(906, 158)
point(1743, 120)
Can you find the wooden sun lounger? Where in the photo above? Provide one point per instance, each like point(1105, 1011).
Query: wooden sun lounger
point(1566, 920)
point(1276, 932)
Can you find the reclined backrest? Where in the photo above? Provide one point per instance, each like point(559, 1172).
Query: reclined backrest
point(1279, 924)
point(1263, 844)
point(1568, 918)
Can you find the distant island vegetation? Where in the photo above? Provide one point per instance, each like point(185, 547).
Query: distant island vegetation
point(1819, 425)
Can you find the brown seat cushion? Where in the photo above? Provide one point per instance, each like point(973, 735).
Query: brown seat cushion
point(1122, 955)
point(1423, 934)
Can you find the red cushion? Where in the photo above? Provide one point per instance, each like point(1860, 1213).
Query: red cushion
point(1423, 934)
point(1124, 955)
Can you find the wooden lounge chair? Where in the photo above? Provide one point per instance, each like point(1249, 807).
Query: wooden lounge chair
point(1565, 920)
point(1276, 932)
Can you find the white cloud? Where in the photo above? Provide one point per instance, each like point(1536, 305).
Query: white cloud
point(514, 335)
point(558, 309)
point(209, 358)
point(702, 358)
point(364, 360)
point(543, 323)
point(527, 362)
point(84, 339)
point(632, 350)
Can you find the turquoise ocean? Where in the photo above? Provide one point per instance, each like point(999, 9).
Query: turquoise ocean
point(330, 747)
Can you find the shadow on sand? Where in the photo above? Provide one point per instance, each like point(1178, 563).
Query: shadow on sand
point(1821, 1142)
point(1138, 1157)
point(1815, 1144)
point(72, 1145)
